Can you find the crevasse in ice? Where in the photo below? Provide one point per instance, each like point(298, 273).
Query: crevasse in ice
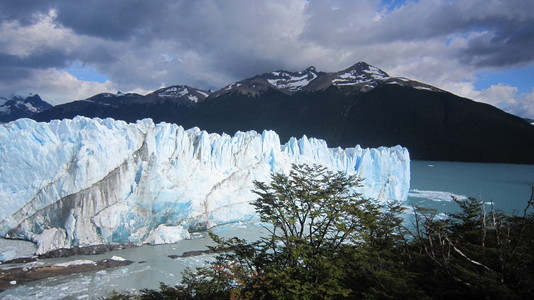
point(87, 181)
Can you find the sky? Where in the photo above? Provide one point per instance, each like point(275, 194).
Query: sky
point(67, 50)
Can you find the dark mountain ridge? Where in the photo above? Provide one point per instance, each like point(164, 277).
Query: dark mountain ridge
point(359, 105)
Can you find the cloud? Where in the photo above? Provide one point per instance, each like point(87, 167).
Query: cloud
point(210, 43)
point(509, 99)
point(48, 82)
point(117, 20)
point(506, 97)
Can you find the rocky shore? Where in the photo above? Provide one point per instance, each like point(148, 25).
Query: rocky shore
point(23, 269)
point(20, 270)
point(13, 275)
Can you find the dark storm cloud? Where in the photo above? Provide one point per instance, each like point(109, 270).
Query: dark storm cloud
point(112, 19)
point(498, 33)
point(39, 60)
point(105, 19)
point(244, 65)
point(23, 10)
point(510, 44)
point(8, 75)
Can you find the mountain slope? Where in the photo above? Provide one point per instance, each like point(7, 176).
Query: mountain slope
point(18, 107)
point(359, 105)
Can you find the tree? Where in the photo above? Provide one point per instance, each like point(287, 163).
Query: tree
point(318, 226)
point(477, 253)
point(311, 214)
point(325, 241)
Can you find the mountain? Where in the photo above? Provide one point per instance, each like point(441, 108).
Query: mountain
point(359, 105)
point(360, 77)
point(162, 103)
point(94, 181)
point(19, 107)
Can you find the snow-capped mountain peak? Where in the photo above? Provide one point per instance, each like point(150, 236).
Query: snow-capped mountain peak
point(292, 81)
point(111, 99)
point(287, 82)
point(173, 91)
point(183, 92)
point(360, 74)
point(20, 107)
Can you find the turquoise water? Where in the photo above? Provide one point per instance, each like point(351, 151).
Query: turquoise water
point(432, 185)
point(507, 186)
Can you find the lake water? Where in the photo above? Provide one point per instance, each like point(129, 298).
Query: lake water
point(432, 185)
point(507, 186)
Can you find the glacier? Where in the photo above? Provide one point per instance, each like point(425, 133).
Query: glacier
point(81, 181)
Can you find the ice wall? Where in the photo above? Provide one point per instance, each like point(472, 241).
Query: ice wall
point(91, 181)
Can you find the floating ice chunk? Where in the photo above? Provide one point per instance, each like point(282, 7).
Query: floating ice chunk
point(435, 195)
point(118, 258)
point(165, 234)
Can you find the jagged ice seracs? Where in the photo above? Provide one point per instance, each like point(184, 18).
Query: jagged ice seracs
point(84, 181)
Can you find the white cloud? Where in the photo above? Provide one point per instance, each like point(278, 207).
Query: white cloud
point(22, 41)
point(528, 104)
point(58, 87)
point(505, 97)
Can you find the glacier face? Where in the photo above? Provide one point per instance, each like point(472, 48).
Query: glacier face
point(87, 181)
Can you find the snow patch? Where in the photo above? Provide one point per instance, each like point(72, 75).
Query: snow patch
point(376, 73)
point(424, 88)
point(193, 98)
point(290, 82)
point(174, 91)
point(369, 77)
point(203, 93)
point(232, 85)
point(31, 108)
point(5, 109)
point(77, 262)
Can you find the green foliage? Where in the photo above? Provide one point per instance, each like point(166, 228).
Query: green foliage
point(327, 242)
point(314, 215)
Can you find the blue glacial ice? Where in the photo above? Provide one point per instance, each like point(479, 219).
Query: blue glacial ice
point(87, 181)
